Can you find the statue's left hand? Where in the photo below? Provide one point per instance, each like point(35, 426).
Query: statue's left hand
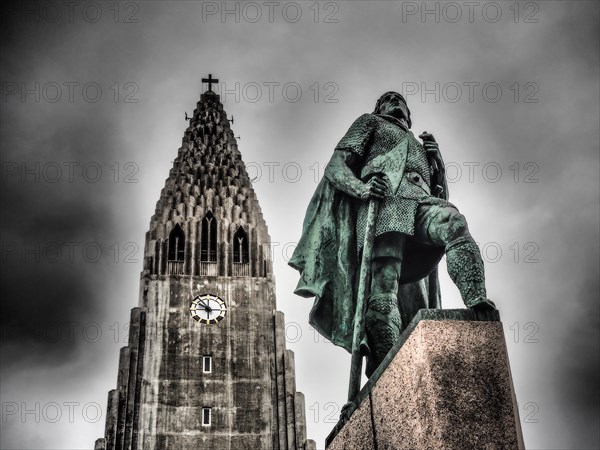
point(433, 150)
point(440, 187)
point(429, 142)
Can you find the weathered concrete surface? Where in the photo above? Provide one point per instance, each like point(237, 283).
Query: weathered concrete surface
point(447, 387)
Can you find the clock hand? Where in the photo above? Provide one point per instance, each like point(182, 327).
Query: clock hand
point(202, 303)
point(205, 305)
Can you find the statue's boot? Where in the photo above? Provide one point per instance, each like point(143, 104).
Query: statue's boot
point(383, 326)
point(465, 268)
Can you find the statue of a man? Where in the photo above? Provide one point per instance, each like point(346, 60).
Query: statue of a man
point(379, 159)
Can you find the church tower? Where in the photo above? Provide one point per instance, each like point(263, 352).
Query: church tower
point(206, 366)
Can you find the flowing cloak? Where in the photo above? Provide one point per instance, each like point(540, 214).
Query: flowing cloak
point(328, 261)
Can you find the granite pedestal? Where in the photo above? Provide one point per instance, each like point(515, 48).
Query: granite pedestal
point(445, 385)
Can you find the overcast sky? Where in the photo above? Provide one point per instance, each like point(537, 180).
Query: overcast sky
point(92, 115)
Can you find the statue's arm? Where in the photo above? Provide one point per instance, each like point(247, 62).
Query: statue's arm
point(340, 174)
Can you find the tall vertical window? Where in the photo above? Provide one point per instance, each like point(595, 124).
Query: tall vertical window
point(176, 244)
point(240, 246)
point(206, 416)
point(208, 246)
point(207, 364)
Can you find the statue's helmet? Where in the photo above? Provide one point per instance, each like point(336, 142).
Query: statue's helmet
point(387, 95)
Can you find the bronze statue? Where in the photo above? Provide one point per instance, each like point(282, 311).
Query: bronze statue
point(383, 200)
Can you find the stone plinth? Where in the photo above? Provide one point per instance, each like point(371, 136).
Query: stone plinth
point(446, 385)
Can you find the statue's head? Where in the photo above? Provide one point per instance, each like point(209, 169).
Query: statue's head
point(393, 104)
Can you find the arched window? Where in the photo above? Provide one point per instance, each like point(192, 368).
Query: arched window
point(176, 244)
point(208, 245)
point(240, 246)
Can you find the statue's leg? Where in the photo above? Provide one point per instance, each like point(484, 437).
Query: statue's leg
point(445, 226)
point(382, 320)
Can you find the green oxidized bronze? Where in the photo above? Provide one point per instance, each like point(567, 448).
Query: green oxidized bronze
point(376, 228)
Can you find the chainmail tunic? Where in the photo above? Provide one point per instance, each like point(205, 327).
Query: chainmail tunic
point(370, 136)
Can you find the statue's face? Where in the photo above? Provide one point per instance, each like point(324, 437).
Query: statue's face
point(393, 105)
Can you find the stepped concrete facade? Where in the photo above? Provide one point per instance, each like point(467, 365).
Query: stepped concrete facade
point(223, 381)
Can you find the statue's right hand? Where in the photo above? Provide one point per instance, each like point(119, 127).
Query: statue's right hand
point(376, 187)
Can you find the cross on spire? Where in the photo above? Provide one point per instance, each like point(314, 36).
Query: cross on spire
point(210, 80)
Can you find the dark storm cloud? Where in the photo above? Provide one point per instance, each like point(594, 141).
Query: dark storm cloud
point(568, 129)
point(50, 266)
point(55, 197)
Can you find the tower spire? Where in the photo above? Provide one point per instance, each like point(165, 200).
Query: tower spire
point(208, 175)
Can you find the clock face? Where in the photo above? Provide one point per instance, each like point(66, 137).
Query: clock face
point(208, 309)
